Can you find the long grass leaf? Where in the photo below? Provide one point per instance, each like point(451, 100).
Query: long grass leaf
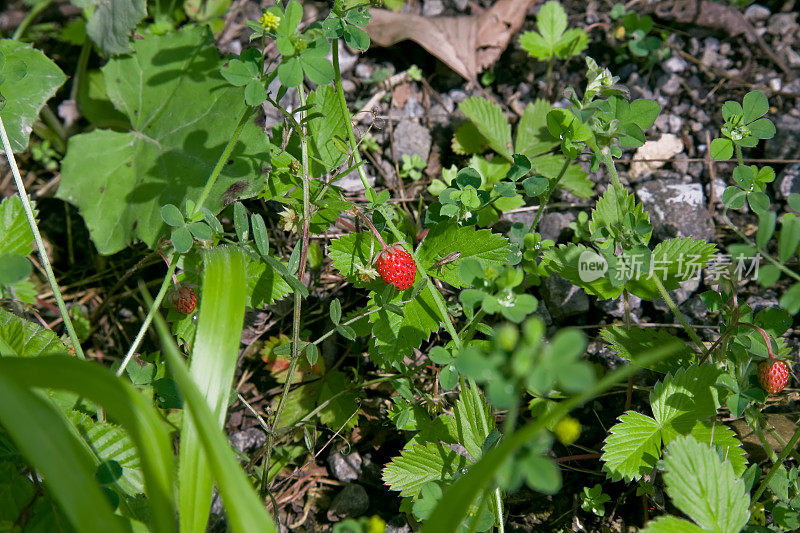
point(213, 363)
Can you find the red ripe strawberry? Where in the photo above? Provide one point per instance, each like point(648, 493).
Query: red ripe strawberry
point(396, 266)
point(773, 375)
point(183, 299)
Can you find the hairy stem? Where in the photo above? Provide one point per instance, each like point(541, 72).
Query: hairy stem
point(298, 300)
point(37, 237)
point(675, 311)
point(337, 79)
point(212, 179)
point(550, 189)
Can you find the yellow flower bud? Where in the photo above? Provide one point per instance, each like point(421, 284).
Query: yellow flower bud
point(567, 430)
point(269, 21)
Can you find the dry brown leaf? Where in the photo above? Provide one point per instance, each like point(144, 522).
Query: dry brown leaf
point(466, 44)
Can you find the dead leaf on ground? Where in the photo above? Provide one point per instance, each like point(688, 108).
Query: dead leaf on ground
point(466, 44)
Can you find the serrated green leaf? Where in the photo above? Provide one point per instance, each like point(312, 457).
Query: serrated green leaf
point(324, 129)
point(35, 80)
point(420, 464)
point(724, 438)
point(679, 401)
point(490, 249)
point(533, 137)
point(671, 524)
point(632, 447)
point(21, 338)
point(473, 421)
point(564, 260)
point(396, 336)
point(631, 342)
point(673, 261)
point(490, 122)
point(575, 180)
point(612, 210)
point(16, 236)
point(111, 443)
point(704, 487)
point(182, 113)
point(467, 140)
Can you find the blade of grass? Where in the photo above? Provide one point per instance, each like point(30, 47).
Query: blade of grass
point(124, 404)
point(213, 364)
point(244, 508)
point(50, 446)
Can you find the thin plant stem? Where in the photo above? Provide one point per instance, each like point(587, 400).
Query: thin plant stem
point(763, 334)
point(674, 308)
point(162, 292)
point(337, 79)
point(775, 466)
point(37, 237)
point(34, 12)
point(550, 190)
point(212, 179)
point(298, 299)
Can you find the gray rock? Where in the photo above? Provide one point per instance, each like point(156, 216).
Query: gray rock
point(755, 13)
point(345, 467)
point(348, 86)
point(786, 142)
point(670, 85)
point(352, 181)
point(758, 302)
point(669, 123)
point(782, 24)
point(432, 8)
point(458, 95)
point(363, 71)
point(564, 299)
point(412, 139)
point(461, 5)
point(553, 225)
point(696, 308)
point(350, 502)
point(248, 440)
point(676, 209)
point(789, 181)
point(674, 65)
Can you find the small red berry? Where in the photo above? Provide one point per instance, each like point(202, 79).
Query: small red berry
point(396, 266)
point(183, 299)
point(773, 375)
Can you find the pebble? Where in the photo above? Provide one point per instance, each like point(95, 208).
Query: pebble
point(411, 138)
point(351, 501)
point(345, 467)
point(674, 65)
point(789, 181)
point(248, 439)
point(432, 8)
point(756, 12)
point(363, 71)
point(676, 209)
